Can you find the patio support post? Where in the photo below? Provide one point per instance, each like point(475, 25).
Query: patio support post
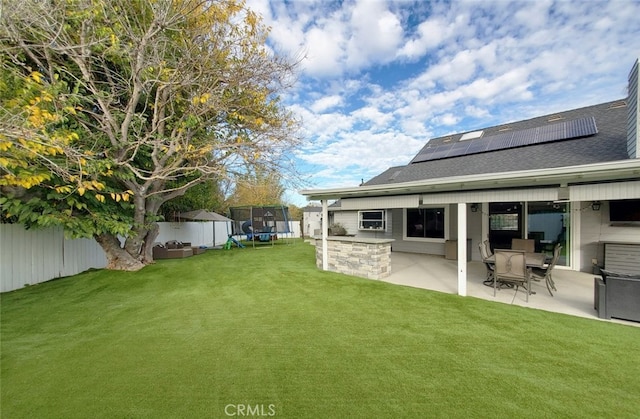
point(462, 249)
point(325, 233)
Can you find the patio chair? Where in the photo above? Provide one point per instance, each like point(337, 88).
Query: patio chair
point(511, 268)
point(528, 245)
point(485, 253)
point(540, 274)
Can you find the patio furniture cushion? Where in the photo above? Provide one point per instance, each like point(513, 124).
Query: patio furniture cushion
point(173, 244)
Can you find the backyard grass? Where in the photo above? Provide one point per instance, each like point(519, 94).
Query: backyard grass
point(263, 332)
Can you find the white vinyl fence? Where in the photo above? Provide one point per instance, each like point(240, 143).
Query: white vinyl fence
point(198, 233)
point(29, 257)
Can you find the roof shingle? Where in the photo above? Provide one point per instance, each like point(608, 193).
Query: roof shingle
point(609, 144)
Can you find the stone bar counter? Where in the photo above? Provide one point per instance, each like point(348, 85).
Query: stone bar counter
point(364, 257)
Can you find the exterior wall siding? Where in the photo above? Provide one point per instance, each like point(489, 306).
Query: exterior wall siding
point(606, 191)
point(349, 220)
point(595, 230)
point(633, 106)
point(527, 194)
point(401, 201)
point(474, 231)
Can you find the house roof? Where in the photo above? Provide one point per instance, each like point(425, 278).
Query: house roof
point(608, 144)
point(590, 157)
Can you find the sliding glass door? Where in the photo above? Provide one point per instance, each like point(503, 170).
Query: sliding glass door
point(548, 223)
point(505, 224)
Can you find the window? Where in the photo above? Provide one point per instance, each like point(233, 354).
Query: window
point(425, 223)
point(372, 220)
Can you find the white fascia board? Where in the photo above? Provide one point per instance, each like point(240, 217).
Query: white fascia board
point(530, 178)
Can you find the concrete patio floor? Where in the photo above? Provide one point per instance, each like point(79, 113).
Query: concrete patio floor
point(574, 295)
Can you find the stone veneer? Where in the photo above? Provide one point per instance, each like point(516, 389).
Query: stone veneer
point(366, 258)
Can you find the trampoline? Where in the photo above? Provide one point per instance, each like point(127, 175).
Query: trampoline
point(261, 224)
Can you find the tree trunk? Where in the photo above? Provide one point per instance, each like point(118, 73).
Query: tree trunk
point(135, 239)
point(117, 257)
point(147, 246)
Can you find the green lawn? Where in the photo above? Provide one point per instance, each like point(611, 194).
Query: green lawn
point(262, 332)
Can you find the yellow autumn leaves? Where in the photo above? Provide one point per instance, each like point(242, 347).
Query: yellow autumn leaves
point(202, 99)
point(41, 137)
point(95, 186)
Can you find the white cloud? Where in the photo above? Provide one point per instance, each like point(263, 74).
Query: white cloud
point(430, 34)
point(508, 86)
point(365, 152)
point(375, 33)
point(535, 15)
point(476, 112)
point(322, 128)
point(326, 102)
point(447, 119)
point(373, 116)
point(325, 51)
point(415, 128)
point(382, 77)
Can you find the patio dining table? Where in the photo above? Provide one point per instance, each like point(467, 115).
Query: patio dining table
point(533, 260)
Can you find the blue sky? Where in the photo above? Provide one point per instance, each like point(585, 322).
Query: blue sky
point(380, 78)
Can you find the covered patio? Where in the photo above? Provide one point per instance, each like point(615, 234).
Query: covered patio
point(574, 295)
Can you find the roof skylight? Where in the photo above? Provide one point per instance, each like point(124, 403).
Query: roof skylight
point(471, 135)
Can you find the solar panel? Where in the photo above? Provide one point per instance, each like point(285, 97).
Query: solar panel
point(500, 141)
point(458, 149)
point(551, 132)
point(478, 146)
point(456, 152)
point(441, 151)
point(582, 127)
point(424, 154)
point(523, 137)
point(463, 145)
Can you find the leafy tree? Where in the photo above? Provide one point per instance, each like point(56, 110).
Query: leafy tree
point(258, 188)
point(111, 108)
point(206, 195)
point(295, 212)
